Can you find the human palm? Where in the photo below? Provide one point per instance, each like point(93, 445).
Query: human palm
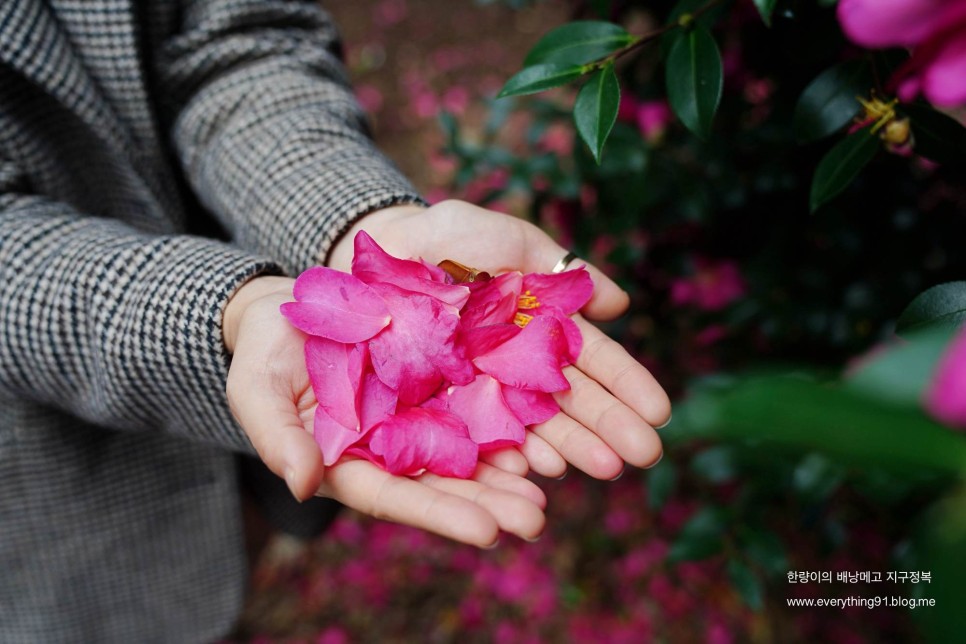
point(606, 418)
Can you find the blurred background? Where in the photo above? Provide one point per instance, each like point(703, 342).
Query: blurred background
point(799, 443)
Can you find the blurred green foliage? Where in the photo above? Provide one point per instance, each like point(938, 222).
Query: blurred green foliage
point(761, 216)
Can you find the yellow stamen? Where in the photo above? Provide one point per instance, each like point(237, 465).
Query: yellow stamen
point(875, 109)
point(522, 319)
point(527, 301)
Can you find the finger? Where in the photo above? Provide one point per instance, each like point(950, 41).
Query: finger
point(513, 513)
point(365, 487)
point(270, 419)
point(543, 459)
point(605, 361)
point(608, 301)
point(580, 446)
point(508, 459)
point(618, 425)
point(502, 480)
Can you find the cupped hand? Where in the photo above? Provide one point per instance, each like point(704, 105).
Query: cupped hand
point(271, 397)
point(609, 414)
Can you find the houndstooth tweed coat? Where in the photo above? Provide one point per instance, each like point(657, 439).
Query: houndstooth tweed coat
point(124, 124)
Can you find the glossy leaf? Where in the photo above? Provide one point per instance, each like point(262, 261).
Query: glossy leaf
point(899, 374)
point(700, 537)
point(766, 8)
point(841, 165)
point(579, 42)
point(694, 80)
point(942, 306)
point(538, 78)
point(715, 464)
point(803, 415)
point(746, 583)
point(661, 482)
point(937, 136)
point(829, 102)
point(941, 540)
point(595, 110)
point(765, 549)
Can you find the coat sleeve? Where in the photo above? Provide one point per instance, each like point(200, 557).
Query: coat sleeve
point(267, 129)
point(118, 328)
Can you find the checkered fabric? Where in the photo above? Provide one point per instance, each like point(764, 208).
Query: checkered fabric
point(124, 126)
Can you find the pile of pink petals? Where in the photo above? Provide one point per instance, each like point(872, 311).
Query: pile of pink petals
point(417, 373)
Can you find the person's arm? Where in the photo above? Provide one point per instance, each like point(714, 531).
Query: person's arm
point(267, 129)
point(119, 328)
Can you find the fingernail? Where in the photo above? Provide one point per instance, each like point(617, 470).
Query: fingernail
point(534, 539)
point(562, 476)
point(492, 545)
point(655, 462)
point(290, 482)
point(666, 423)
point(619, 475)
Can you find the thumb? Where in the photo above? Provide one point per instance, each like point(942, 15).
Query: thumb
point(543, 253)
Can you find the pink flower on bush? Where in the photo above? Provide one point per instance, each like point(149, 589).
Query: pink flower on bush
point(415, 372)
point(715, 285)
point(653, 118)
point(935, 30)
point(945, 398)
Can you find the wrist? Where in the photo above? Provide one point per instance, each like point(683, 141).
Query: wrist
point(252, 290)
point(374, 223)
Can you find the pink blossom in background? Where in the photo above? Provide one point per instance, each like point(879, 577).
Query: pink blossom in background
point(369, 97)
point(945, 397)
point(715, 285)
point(935, 30)
point(653, 118)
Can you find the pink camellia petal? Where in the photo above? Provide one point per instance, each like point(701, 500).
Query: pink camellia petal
point(531, 359)
point(945, 397)
point(332, 437)
point(335, 305)
point(575, 339)
point(417, 439)
point(530, 407)
point(481, 406)
point(378, 402)
point(335, 370)
point(417, 350)
point(883, 23)
point(492, 302)
point(484, 339)
point(944, 79)
point(568, 291)
point(373, 265)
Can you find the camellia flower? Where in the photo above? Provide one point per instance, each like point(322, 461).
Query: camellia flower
point(714, 286)
point(414, 372)
point(935, 30)
point(945, 397)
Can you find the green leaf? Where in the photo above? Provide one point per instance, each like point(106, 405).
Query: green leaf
point(700, 537)
point(578, 43)
point(694, 80)
point(715, 464)
point(830, 101)
point(899, 374)
point(539, 78)
point(803, 415)
point(942, 306)
point(746, 583)
point(595, 110)
point(815, 478)
point(766, 8)
point(937, 136)
point(841, 165)
point(661, 482)
point(941, 541)
point(765, 549)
